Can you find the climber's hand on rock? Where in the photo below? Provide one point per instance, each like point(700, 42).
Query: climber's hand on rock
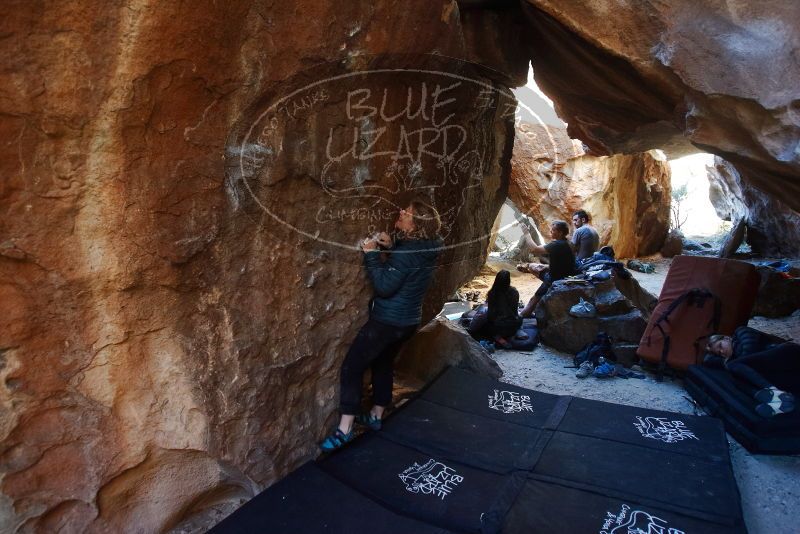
point(385, 240)
point(369, 244)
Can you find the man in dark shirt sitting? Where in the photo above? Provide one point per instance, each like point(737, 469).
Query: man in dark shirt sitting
point(562, 262)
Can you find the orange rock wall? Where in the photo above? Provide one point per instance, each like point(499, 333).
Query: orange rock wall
point(166, 348)
point(627, 196)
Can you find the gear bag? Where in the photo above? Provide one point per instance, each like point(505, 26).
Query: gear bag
point(591, 352)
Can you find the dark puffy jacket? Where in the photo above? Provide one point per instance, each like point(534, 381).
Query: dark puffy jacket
point(747, 341)
point(401, 281)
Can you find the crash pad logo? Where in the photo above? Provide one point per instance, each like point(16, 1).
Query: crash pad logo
point(630, 521)
point(510, 402)
point(662, 429)
point(339, 149)
point(431, 478)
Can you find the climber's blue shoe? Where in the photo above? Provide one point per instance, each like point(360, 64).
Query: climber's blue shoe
point(369, 420)
point(336, 440)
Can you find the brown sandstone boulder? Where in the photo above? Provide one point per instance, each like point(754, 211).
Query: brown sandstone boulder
point(673, 245)
point(616, 316)
point(166, 340)
point(641, 298)
point(778, 296)
point(733, 240)
point(624, 328)
point(441, 344)
point(772, 228)
point(557, 328)
point(626, 353)
point(611, 301)
point(626, 196)
point(178, 270)
point(720, 77)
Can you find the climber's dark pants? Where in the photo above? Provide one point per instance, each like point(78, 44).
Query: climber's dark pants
point(375, 346)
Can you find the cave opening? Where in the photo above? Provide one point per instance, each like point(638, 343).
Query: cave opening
point(691, 209)
point(553, 175)
point(697, 205)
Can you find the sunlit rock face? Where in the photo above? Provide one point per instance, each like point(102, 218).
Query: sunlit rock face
point(178, 270)
point(626, 196)
point(773, 229)
point(716, 75)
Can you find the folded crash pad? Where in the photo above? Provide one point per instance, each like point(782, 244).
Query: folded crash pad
point(700, 296)
point(721, 394)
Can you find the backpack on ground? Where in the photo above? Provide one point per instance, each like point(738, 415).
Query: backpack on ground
point(592, 352)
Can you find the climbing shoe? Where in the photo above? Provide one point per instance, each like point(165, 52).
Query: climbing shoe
point(773, 394)
point(771, 409)
point(336, 440)
point(583, 309)
point(585, 370)
point(641, 266)
point(604, 370)
point(369, 420)
point(488, 346)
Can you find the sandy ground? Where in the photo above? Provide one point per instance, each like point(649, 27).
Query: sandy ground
point(769, 485)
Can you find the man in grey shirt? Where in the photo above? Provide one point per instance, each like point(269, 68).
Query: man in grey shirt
point(585, 238)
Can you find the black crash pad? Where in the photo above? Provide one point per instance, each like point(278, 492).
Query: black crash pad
point(471, 454)
point(699, 436)
point(717, 391)
point(463, 437)
point(550, 507)
point(309, 500)
point(641, 473)
point(415, 484)
point(468, 392)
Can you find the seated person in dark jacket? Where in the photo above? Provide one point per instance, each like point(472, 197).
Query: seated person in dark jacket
point(562, 262)
point(399, 284)
point(770, 368)
point(503, 318)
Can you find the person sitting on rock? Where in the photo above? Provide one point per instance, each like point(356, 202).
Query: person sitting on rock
point(585, 239)
point(562, 262)
point(764, 365)
point(502, 315)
